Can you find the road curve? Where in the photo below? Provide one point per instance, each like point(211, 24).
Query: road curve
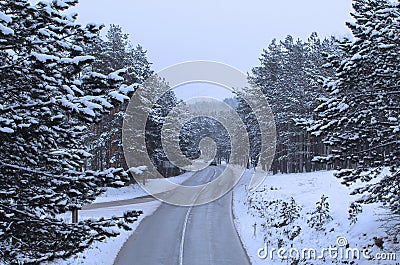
point(199, 235)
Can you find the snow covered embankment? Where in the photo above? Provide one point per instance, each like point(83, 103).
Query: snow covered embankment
point(304, 212)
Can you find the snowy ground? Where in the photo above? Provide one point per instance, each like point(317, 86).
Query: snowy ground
point(262, 208)
point(104, 253)
point(135, 191)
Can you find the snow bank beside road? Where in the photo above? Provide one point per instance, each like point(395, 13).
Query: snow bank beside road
point(135, 191)
point(264, 207)
point(104, 253)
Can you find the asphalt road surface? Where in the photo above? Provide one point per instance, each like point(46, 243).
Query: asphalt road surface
point(199, 235)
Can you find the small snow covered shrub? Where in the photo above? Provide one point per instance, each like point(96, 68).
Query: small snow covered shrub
point(289, 211)
point(320, 216)
point(354, 210)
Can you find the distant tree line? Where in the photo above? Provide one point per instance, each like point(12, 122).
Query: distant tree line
point(289, 75)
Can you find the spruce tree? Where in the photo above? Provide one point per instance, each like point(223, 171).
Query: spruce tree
point(359, 118)
point(320, 216)
point(114, 53)
point(47, 104)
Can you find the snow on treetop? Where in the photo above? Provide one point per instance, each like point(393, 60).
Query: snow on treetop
point(116, 76)
point(46, 32)
point(124, 89)
point(66, 103)
point(95, 25)
point(356, 57)
point(89, 112)
point(387, 46)
point(342, 106)
point(44, 57)
point(89, 104)
point(83, 59)
point(77, 48)
point(138, 170)
point(332, 84)
point(78, 60)
point(117, 96)
point(63, 3)
point(5, 18)
point(81, 128)
point(94, 75)
point(5, 30)
point(84, 153)
point(101, 100)
point(6, 130)
point(4, 120)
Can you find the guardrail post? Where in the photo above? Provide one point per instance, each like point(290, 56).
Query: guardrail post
point(74, 216)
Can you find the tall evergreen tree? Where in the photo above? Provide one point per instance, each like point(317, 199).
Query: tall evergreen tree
point(113, 54)
point(47, 103)
point(360, 117)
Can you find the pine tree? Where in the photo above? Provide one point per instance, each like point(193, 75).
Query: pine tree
point(157, 122)
point(320, 216)
point(189, 138)
point(47, 104)
point(116, 48)
point(113, 54)
point(249, 119)
point(149, 150)
point(288, 212)
point(354, 210)
point(360, 117)
point(139, 68)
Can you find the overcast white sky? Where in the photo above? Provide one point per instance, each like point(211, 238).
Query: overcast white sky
point(229, 31)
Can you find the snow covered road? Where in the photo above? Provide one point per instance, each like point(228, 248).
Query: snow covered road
point(187, 235)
